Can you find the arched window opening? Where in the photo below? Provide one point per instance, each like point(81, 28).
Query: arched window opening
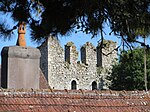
point(73, 85)
point(94, 85)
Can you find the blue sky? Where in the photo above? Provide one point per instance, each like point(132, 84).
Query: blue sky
point(78, 39)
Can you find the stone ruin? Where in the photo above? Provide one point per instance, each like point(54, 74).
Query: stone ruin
point(63, 70)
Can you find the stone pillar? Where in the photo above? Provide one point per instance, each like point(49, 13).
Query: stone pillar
point(71, 55)
point(88, 54)
point(106, 53)
point(20, 67)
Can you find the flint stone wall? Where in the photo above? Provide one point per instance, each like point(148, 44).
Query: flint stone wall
point(60, 72)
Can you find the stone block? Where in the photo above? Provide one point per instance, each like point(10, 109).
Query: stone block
point(20, 67)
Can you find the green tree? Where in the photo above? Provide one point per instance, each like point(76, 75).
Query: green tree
point(128, 74)
point(126, 18)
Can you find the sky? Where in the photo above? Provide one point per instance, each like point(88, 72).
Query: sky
point(79, 39)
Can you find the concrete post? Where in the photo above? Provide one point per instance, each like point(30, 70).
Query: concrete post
point(20, 67)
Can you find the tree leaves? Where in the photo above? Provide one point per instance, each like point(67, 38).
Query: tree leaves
point(128, 74)
point(126, 18)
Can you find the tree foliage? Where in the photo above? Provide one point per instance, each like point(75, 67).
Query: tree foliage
point(126, 18)
point(128, 74)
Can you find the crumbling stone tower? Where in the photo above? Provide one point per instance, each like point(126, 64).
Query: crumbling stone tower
point(63, 71)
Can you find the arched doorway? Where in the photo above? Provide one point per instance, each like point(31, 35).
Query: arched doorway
point(73, 85)
point(94, 85)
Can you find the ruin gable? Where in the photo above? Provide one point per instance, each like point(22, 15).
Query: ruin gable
point(64, 71)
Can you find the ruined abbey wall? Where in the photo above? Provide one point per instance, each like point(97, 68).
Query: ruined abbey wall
point(62, 69)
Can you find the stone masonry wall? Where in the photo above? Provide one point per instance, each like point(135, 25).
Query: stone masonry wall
point(61, 73)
